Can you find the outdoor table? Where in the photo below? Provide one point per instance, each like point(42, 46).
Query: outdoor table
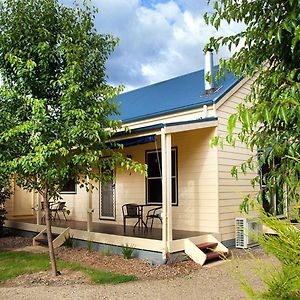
point(141, 210)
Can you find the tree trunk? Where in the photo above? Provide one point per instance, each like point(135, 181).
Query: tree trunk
point(49, 233)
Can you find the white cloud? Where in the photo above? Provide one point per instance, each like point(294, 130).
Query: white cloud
point(157, 42)
point(169, 10)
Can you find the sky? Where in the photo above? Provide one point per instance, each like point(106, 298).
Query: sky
point(159, 39)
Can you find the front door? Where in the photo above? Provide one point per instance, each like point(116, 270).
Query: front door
point(107, 205)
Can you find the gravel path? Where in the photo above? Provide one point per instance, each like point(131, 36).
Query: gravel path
point(216, 282)
point(212, 283)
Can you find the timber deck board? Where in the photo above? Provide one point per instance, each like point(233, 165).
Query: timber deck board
point(114, 229)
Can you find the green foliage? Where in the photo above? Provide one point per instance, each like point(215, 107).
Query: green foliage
point(283, 281)
point(127, 251)
point(269, 50)
point(55, 103)
point(270, 117)
point(56, 108)
point(89, 246)
point(69, 242)
point(13, 264)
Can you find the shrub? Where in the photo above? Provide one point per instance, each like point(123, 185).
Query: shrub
point(69, 242)
point(89, 245)
point(127, 251)
point(283, 281)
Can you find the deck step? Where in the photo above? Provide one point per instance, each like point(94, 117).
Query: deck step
point(44, 240)
point(207, 246)
point(213, 255)
point(204, 249)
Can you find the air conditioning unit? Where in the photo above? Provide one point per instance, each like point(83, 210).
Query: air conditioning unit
point(244, 229)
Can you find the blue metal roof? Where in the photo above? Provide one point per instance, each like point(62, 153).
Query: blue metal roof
point(177, 94)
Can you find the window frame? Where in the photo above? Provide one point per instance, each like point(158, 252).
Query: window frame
point(173, 150)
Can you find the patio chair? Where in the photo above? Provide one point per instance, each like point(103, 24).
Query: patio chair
point(56, 208)
point(154, 213)
point(131, 211)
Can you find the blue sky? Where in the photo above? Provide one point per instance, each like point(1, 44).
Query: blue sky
point(159, 39)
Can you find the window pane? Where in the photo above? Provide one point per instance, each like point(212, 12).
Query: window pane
point(267, 201)
point(154, 185)
point(154, 164)
point(174, 162)
point(264, 171)
point(279, 198)
point(154, 191)
point(70, 186)
point(174, 191)
point(107, 200)
point(273, 199)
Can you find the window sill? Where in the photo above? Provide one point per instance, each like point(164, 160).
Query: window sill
point(68, 193)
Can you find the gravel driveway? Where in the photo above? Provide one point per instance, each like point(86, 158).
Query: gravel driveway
point(216, 282)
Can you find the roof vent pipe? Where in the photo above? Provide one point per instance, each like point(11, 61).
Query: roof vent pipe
point(208, 70)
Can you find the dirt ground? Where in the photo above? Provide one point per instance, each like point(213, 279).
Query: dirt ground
point(184, 279)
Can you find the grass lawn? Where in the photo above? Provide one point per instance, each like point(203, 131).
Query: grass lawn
point(13, 264)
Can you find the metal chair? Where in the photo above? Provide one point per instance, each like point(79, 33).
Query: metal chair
point(131, 211)
point(154, 213)
point(56, 208)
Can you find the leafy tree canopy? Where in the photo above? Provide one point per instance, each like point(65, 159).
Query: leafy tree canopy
point(270, 119)
point(55, 101)
point(269, 53)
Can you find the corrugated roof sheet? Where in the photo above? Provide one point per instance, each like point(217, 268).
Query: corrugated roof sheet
point(177, 94)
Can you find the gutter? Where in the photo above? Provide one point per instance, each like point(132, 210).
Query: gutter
point(170, 111)
point(164, 125)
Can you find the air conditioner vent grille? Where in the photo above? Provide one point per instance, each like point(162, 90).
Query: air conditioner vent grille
point(241, 239)
point(244, 228)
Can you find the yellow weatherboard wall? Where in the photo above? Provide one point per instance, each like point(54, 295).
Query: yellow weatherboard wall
point(232, 191)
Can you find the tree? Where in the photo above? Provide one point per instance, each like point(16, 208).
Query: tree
point(270, 117)
point(5, 192)
point(270, 54)
point(55, 103)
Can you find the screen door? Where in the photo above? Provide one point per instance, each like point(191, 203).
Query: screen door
point(107, 205)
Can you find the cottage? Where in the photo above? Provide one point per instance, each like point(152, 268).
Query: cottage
point(171, 124)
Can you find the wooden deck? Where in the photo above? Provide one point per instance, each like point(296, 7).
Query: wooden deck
point(113, 229)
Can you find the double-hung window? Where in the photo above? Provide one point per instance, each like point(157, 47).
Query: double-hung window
point(154, 179)
point(69, 187)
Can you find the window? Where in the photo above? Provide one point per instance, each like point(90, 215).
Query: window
point(272, 199)
point(154, 180)
point(69, 187)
